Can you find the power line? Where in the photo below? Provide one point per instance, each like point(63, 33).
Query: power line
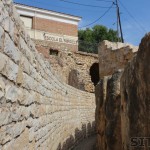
point(82, 4)
point(132, 17)
point(104, 1)
point(132, 24)
point(99, 17)
point(69, 8)
point(46, 4)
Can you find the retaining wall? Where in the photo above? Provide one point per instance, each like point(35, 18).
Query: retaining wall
point(37, 110)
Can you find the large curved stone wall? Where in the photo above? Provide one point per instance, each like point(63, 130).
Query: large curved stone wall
point(38, 111)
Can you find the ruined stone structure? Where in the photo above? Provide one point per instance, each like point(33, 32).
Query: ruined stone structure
point(73, 68)
point(108, 121)
point(68, 64)
point(38, 111)
point(135, 99)
point(114, 56)
point(122, 101)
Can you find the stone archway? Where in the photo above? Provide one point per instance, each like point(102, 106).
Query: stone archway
point(94, 73)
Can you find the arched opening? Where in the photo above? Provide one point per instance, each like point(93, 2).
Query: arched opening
point(94, 72)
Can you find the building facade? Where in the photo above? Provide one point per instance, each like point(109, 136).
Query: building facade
point(58, 31)
point(56, 36)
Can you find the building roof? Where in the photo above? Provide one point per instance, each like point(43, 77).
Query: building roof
point(29, 10)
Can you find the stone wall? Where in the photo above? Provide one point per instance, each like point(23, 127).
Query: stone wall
point(72, 67)
point(123, 105)
point(108, 120)
point(114, 56)
point(135, 99)
point(38, 111)
point(45, 46)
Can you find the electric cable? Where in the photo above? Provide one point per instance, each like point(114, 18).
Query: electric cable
point(99, 17)
point(132, 17)
point(82, 4)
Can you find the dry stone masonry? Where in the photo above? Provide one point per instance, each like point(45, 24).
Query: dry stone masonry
point(37, 110)
point(71, 67)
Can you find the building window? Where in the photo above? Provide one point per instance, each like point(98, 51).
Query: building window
point(28, 21)
point(53, 52)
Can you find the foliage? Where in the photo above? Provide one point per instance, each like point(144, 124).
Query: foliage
point(90, 37)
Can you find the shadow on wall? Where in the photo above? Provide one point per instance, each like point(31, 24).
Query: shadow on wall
point(80, 135)
point(73, 80)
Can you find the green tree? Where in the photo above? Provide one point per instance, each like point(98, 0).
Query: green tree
point(90, 37)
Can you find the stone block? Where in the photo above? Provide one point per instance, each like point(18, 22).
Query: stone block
point(1, 95)
point(29, 82)
point(4, 117)
point(2, 39)
point(3, 61)
point(2, 85)
point(11, 50)
point(4, 19)
point(19, 79)
point(10, 70)
point(25, 65)
point(19, 143)
point(11, 93)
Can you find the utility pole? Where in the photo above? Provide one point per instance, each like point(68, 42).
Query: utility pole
point(119, 22)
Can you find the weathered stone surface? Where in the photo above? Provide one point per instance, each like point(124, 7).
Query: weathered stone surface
point(108, 120)
point(9, 68)
point(4, 117)
point(135, 97)
point(100, 93)
point(114, 56)
point(3, 61)
point(72, 68)
point(2, 39)
point(10, 49)
point(19, 79)
point(22, 142)
point(11, 93)
point(123, 105)
point(2, 85)
point(37, 110)
point(1, 94)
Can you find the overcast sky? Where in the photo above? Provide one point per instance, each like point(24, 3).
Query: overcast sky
point(135, 14)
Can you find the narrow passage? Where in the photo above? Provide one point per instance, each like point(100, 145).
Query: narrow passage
point(87, 144)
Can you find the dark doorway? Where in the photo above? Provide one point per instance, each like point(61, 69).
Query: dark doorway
point(94, 72)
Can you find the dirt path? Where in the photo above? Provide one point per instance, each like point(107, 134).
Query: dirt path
point(87, 144)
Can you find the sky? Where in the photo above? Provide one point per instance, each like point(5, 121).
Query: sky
point(135, 14)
